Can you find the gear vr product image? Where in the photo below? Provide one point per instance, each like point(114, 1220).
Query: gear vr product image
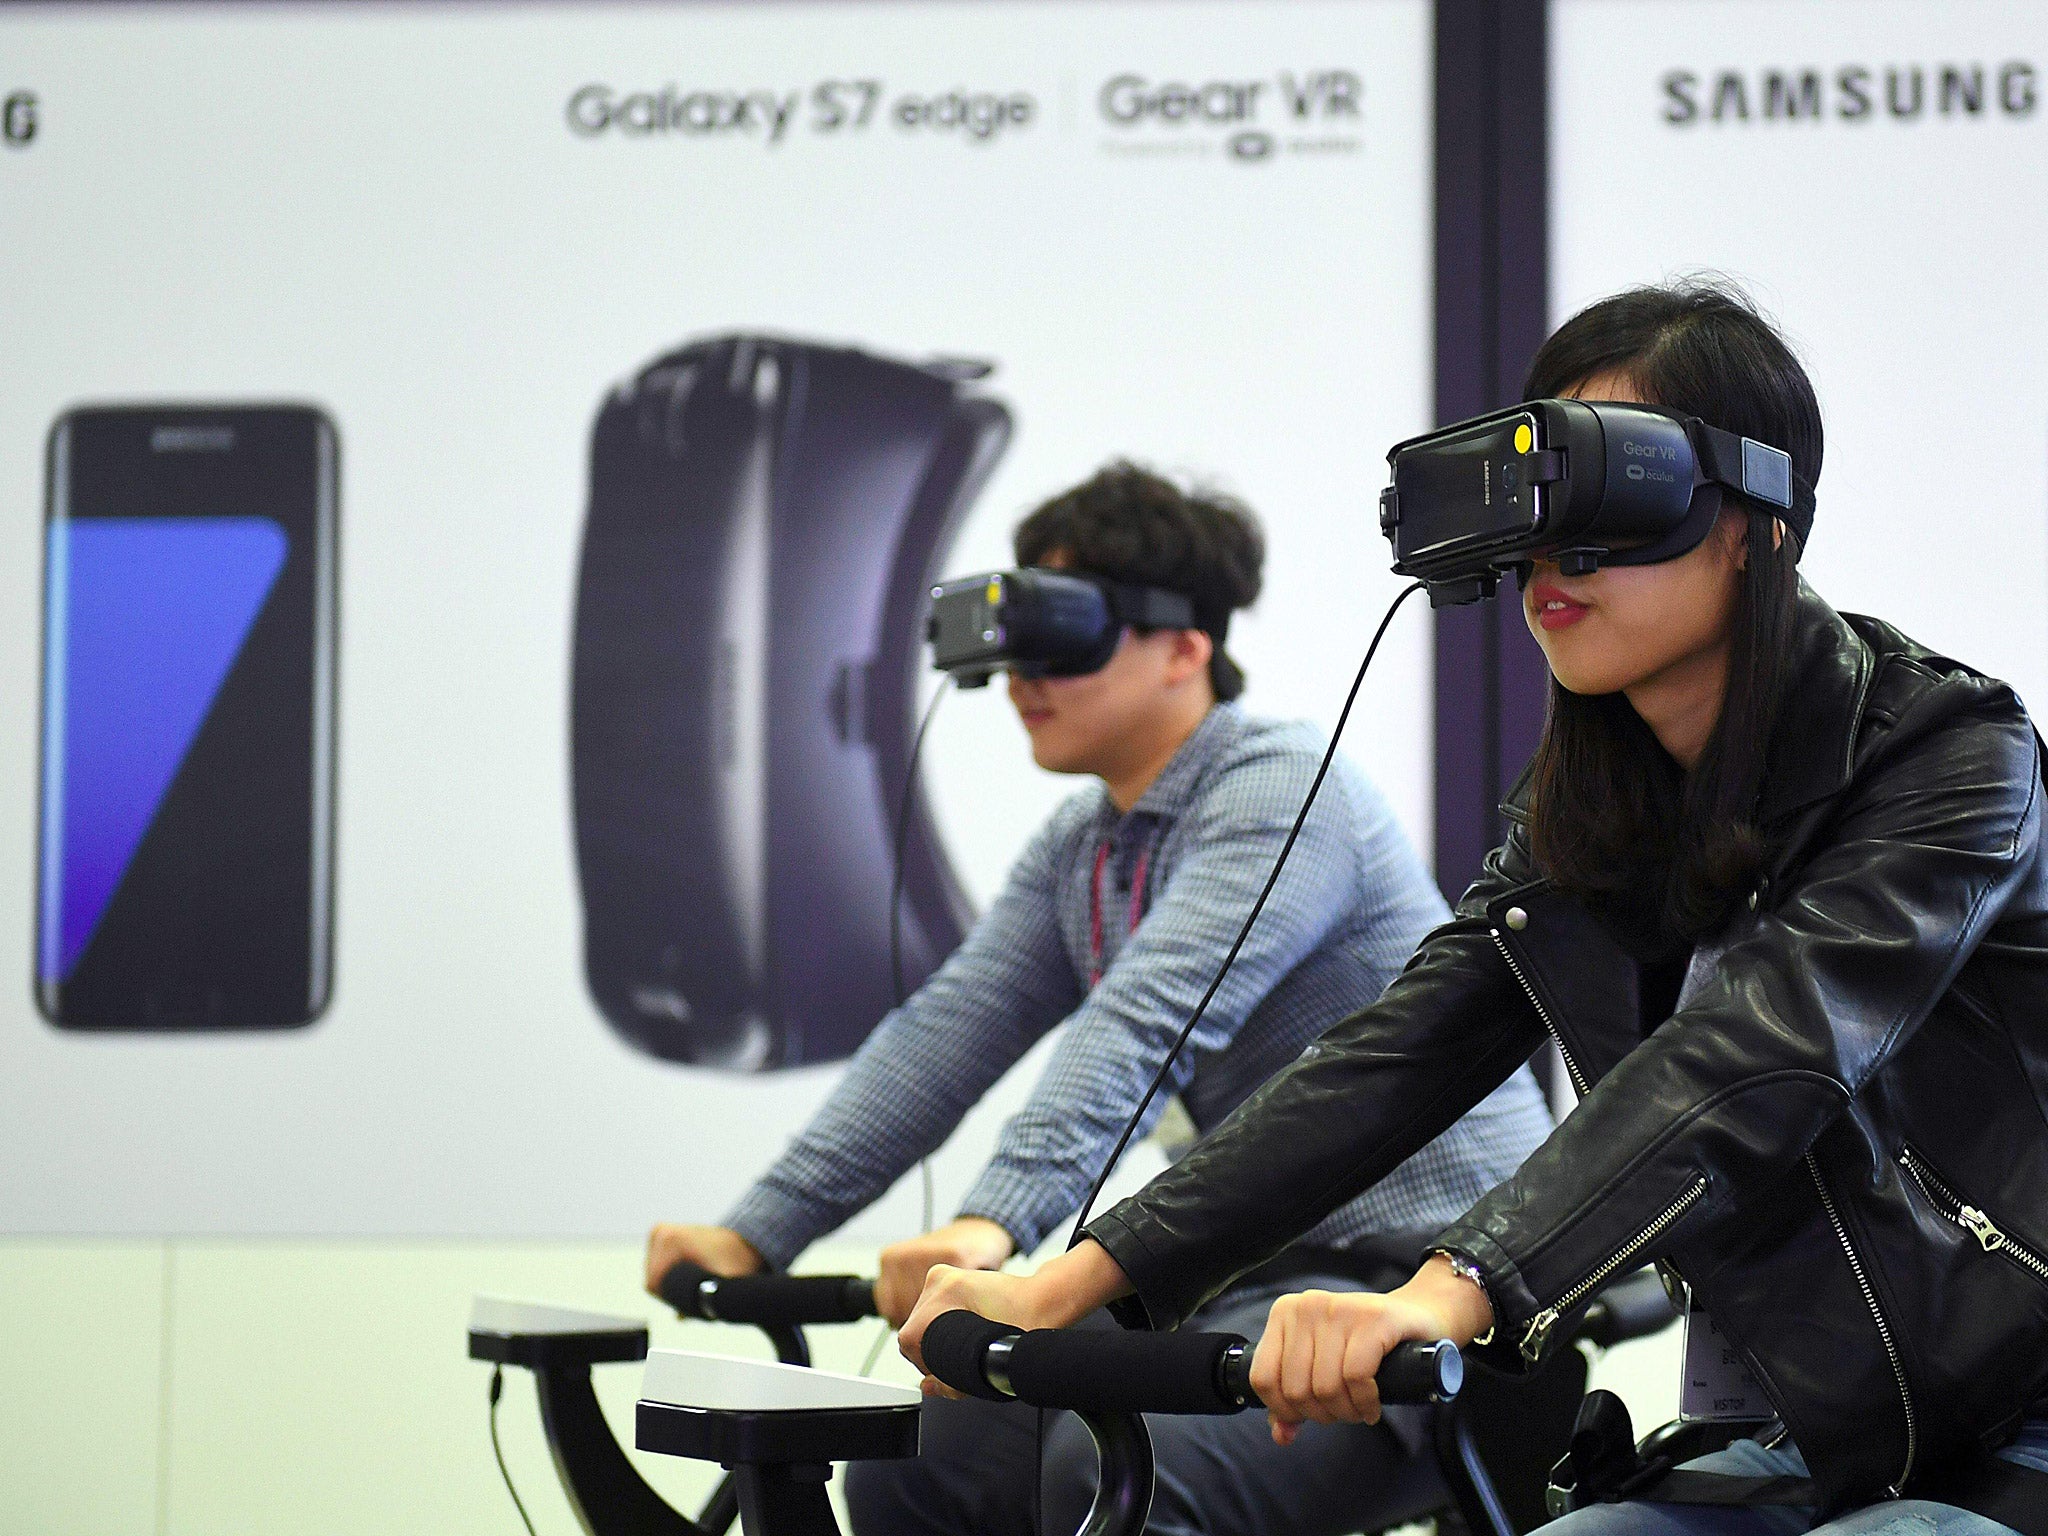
point(1041, 623)
point(185, 862)
point(766, 519)
point(1585, 483)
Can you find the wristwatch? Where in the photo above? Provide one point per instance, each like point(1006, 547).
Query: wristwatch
point(1465, 1269)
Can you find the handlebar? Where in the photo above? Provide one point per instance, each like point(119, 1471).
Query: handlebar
point(1097, 1371)
point(768, 1301)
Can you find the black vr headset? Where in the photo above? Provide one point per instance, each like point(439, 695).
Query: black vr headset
point(766, 517)
point(1585, 483)
point(1042, 623)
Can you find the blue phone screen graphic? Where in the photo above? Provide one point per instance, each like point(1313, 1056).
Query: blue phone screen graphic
point(146, 617)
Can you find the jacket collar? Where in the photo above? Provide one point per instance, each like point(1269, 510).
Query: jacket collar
point(1813, 746)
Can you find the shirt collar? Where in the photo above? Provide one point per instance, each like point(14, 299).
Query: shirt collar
point(1167, 794)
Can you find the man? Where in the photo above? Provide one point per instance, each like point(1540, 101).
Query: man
point(1113, 922)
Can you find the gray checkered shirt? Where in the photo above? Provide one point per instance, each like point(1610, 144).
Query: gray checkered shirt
point(1351, 907)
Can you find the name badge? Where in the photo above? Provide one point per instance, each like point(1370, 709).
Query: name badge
point(1718, 1382)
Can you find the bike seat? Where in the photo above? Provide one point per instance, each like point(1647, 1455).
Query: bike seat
point(539, 1337)
point(757, 1413)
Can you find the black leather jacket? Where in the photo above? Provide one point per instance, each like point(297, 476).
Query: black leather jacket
point(1839, 1143)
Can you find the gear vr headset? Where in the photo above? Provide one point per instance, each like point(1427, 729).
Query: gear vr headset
point(1041, 623)
point(766, 517)
point(1585, 483)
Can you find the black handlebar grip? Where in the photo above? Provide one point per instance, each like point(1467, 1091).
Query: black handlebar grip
point(679, 1288)
point(1099, 1371)
point(1411, 1373)
point(956, 1351)
point(1234, 1375)
point(1416, 1372)
point(860, 1298)
point(768, 1300)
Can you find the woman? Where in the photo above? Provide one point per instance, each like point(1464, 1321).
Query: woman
point(1774, 884)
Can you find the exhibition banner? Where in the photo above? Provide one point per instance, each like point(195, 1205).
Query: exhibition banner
point(475, 474)
point(1876, 176)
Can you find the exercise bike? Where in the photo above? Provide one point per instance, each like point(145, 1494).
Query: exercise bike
point(1495, 1443)
point(560, 1345)
point(780, 1428)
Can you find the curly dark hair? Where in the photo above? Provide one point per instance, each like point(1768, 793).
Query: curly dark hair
point(1128, 524)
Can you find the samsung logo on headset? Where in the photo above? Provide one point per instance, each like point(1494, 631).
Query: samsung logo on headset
point(1851, 93)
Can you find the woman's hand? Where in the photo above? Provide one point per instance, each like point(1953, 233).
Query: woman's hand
point(972, 1242)
point(1321, 1351)
point(1062, 1291)
point(718, 1249)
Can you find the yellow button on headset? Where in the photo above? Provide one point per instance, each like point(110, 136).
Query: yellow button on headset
point(1523, 438)
point(994, 594)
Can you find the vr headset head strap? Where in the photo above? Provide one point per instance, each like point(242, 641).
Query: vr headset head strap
point(1141, 607)
point(1756, 471)
point(1727, 461)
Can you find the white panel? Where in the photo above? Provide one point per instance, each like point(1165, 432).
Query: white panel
point(508, 1318)
point(688, 1380)
point(1904, 249)
point(384, 209)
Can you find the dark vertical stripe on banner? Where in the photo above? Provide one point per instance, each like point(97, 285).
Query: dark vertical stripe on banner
point(1492, 303)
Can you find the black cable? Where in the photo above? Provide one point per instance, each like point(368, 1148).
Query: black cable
point(903, 836)
point(497, 1391)
point(924, 1164)
point(1272, 879)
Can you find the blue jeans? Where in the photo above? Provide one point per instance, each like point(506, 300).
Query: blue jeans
point(1745, 1458)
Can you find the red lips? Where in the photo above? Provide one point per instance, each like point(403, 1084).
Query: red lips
point(1554, 607)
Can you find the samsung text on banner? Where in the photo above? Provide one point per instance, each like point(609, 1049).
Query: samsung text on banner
point(1851, 93)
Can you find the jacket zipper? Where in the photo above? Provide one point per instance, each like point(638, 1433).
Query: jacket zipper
point(1542, 1013)
point(1541, 1324)
point(1973, 1221)
point(1884, 1329)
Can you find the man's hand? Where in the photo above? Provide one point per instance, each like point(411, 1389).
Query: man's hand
point(718, 1249)
point(1317, 1360)
point(972, 1242)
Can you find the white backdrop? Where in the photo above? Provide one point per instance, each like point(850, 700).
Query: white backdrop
point(386, 211)
point(1829, 157)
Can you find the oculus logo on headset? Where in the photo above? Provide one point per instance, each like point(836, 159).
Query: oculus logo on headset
point(18, 119)
point(1852, 93)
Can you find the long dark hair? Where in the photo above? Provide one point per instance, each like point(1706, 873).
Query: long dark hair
point(1610, 811)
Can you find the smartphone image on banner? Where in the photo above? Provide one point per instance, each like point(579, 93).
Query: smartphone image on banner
point(185, 866)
